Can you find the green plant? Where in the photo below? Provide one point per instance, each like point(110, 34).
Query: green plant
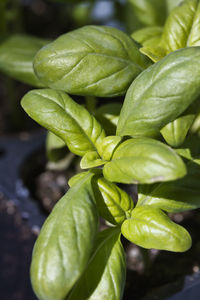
point(153, 143)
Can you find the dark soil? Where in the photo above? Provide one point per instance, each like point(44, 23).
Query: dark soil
point(16, 245)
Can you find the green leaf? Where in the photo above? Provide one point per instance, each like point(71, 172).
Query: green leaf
point(145, 35)
point(57, 112)
point(92, 60)
point(55, 147)
point(91, 159)
point(16, 58)
point(142, 13)
point(65, 243)
point(151, 228)
point(175, 132)
point(154, 50)
point(177, 196)
point(144, 160)
point(108, 146)
point(182, 28)
point(104, 277)
point(161, 93)
point(171, 4)
point(114, 204)
point(108, 116)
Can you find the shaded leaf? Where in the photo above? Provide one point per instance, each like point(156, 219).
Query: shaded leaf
point(104, 277)
point(16, 58)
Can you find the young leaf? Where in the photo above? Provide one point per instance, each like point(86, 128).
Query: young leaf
point(108, 146)
point(144, 160)
point(16, 58)
point(57, 112)
point(65, 243)
point(92, 60)
point(182, 28)
point(151, 228)
point(175, 132)
point(146, 34)
point(104, 277)
point(177, 196)
point(171, 4)
point(91, 159)
point(161, 93)
point(114, 204)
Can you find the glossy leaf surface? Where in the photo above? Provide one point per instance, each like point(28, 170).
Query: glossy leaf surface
point(144, 160)
point(65, 243)
point(108, 146)
point(177, 196)
point(57, 112)
point(151, 228)
point(91, 159)
point(182, 28)
point(175, 132)
point(16, 58)
point(92, 60)
point(161, 93)
point(113, 203)
point(104, 277)
point(146, 35)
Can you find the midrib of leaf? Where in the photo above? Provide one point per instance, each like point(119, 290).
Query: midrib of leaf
point(79, 126)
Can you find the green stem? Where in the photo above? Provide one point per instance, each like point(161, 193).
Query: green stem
point(91, 102)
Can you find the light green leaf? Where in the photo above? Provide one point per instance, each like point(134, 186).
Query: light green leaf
point(57, 112)
point(92, 60)
point(114, 204)
point(144, 160)
point(182, 28)
point(65, 243)
point(91, 159)
point(151, 228)
point(108, 146)
point(145, 35)
point(74, 179)
point(175, 132)
point(104, 277)
point(171, 4)
point(177, 196)
point(108, 116)
point(16, 58)
point(161, 93)
point(154, 50)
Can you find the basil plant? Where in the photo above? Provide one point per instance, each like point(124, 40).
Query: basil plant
point(152, 141)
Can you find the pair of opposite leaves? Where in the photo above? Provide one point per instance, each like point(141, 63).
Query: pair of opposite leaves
point(68, 260)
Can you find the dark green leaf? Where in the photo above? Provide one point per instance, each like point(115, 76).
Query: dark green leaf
point(104, 277)
point(16, 58)
point(65, 243)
